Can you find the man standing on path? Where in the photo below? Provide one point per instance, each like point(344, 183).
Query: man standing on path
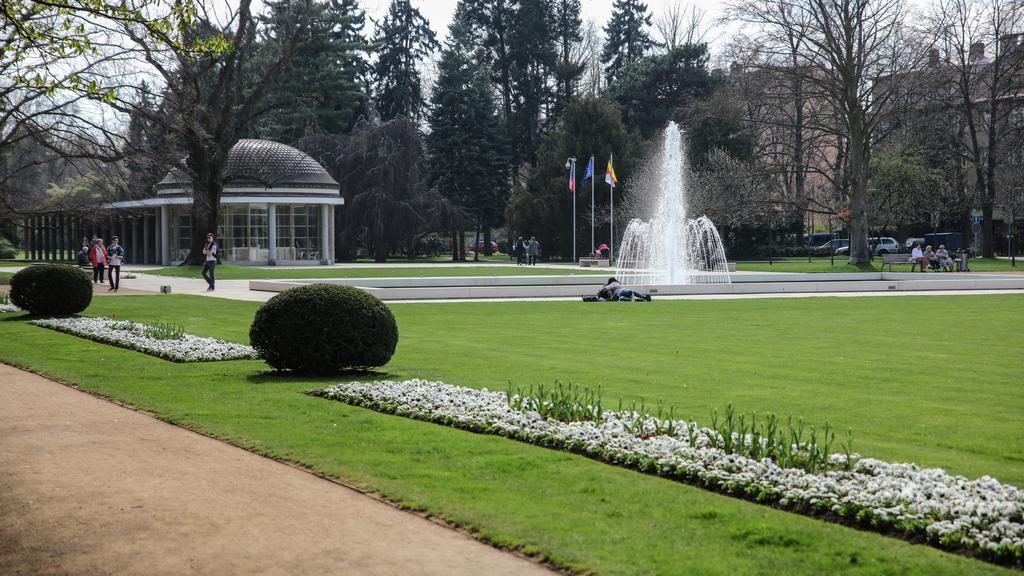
point(533, 250)
point(210, 251)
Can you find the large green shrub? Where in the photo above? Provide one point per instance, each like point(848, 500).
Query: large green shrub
point(56, 290)
point(7, 250)
point(323, 329)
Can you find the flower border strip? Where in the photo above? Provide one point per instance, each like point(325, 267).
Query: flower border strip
point(9, 308)
point(982, 517)
point(189, 348)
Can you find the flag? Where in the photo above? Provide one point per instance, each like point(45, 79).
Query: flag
point(609, 175)
point(590, 171)
point(572, 177)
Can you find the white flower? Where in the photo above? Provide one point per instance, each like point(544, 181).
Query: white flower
point(981, 514)
point(9, 308)
point(126, 334)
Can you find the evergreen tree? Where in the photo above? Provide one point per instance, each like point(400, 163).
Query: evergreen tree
point(533, 61)
point(322, 91)
point(468, 162)
point(570, 65)
point(627, 39)
point(662, 87)
point(402, 39)
point(543, 207)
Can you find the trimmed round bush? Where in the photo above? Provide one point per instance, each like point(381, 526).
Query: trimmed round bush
point(324, 329)
point(51, 290)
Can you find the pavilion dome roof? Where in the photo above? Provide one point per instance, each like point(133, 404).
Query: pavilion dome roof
point(264, 164)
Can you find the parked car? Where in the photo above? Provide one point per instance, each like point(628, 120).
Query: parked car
point(879, 246)
point(832, 246)
point(908, 244)
point(480, 247)
point(819, 238)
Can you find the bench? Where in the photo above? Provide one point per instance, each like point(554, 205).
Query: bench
point(890, 259)
point(591, 262)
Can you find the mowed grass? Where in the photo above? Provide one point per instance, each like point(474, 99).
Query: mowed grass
point(841, 265)
point(934, 380)
point(231, 272)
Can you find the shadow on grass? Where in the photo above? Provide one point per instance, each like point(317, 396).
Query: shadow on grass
point(278, 376)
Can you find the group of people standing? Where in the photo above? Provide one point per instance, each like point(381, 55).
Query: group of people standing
point(103, 259)
point(526, 253)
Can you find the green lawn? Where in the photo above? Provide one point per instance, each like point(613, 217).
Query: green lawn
point(825, 265)
point(5, 278)
point(937, 381)
point(230, 272)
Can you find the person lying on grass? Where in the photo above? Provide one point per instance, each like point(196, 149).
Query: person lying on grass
point(613, 290)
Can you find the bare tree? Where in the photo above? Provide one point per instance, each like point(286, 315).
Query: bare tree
point(985, 65)
point(680, 24)
point(854, 58)
point(215, 92)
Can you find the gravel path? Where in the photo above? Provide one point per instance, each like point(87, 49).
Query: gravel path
point(89, 487)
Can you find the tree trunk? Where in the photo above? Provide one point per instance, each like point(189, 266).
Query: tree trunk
point(208, 186)
point(857, 164)
point(380, 245)
point(487, 241)
point(476, 242)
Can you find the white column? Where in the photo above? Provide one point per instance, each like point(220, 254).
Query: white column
point(331, 232)
point(325, 232)
point(165, 236)
point(145, 238)
point(272, 233)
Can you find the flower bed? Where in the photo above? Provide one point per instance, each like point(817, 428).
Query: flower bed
point(9, 308)
point(982, 517)
point(132, 335)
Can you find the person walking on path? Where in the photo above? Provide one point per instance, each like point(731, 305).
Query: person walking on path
point(98, 259)
point(210, 265)
point(115, 254)
point(520, 251)
point(533, 250)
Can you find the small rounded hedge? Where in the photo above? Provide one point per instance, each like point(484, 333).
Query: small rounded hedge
point(324, 329)
point(51, 290)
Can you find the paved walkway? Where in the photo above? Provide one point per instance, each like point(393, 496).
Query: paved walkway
point(89, 487)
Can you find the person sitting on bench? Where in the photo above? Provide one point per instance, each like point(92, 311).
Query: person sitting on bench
point(917, 256)
point(931, 258)
point(945, 262)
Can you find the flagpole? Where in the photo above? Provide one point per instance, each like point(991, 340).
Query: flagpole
point(572, 174)
point(593, 247)
point(611, 200)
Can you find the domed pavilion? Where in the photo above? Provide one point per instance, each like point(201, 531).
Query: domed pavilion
point(277, 209)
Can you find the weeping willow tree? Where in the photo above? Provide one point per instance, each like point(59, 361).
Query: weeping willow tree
point(378, 167)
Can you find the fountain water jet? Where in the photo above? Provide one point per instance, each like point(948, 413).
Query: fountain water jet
point(671, 248)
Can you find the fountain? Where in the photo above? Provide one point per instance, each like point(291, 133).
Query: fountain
point(671, 248)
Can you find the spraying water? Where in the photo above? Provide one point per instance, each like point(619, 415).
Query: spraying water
point(671, 248)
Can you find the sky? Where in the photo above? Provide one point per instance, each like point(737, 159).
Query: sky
point(439, 12)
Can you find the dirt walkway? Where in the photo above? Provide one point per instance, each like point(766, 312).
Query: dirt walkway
point(89, 487)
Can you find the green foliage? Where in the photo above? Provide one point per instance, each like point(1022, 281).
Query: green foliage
point(403, 39)
point(468, 158)
point(164, 331)
point(626, 36)
point(543, 207)
point(5, 298)
point(324, 329)
point(321, 91)
point(56, 290)
point(654, 89)
point(7, 250)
